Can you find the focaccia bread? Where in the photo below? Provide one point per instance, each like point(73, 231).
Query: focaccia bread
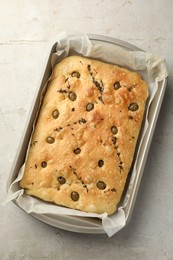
point(85, 136)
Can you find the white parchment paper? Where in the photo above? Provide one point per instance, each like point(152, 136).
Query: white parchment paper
point(151, 67)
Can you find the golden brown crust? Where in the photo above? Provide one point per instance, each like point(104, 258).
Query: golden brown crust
point(87, 113)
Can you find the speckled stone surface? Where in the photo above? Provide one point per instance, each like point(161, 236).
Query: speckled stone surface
point(27, 31)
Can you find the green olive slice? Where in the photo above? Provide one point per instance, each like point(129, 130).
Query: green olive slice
point(50, 140)
point(75, 74)
point(77, 150)
point(44, 164)
point(89, 107)
point(75, 196)
point(101, 185)
point(117, 85)
point(61, 180)
point(133, 107)
point(55, 114)
point(72, 96)
point(114, 130)
point(100, 163)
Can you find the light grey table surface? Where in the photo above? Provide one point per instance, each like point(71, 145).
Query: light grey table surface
point(27, 31)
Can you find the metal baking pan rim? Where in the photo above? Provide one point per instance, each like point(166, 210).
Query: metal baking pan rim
point(108, 39)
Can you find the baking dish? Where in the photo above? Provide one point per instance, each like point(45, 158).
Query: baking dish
point(84, 224)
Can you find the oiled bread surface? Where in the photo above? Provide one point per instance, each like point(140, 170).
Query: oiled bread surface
point(84, 141)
